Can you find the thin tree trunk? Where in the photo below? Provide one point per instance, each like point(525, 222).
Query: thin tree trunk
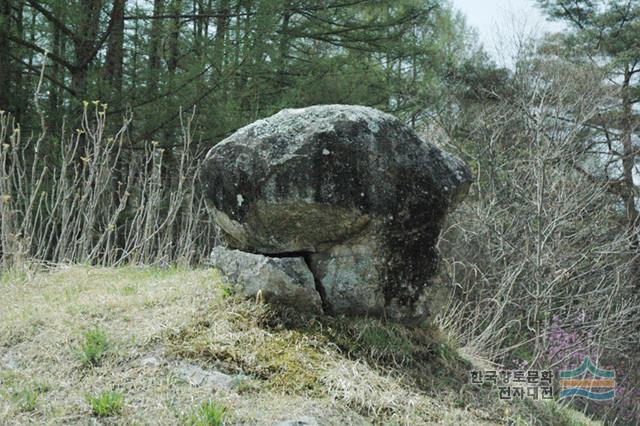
point(85, 43)
point(198, 24)
point(205, 23)
point(169, 162)
point(54, 93)
point(222, 24)
point(629, 158)
point(114, 60)
point(246, 51)
point(628, 164)
point(5, 64)
point(283, 48)
point(174, 36)
point(154, 47)
point(20, 104)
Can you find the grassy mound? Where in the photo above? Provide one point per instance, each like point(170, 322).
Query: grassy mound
point(83, 344)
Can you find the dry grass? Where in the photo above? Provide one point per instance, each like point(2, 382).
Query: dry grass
point(354, 372)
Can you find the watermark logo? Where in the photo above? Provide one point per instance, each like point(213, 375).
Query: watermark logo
point(600, 386)
point(517, 384)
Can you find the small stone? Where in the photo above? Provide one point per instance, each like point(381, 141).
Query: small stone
point(197, 377)
point(9, 362)
point(302, 421)
point(150, 361)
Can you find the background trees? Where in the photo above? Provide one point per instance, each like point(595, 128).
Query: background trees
point(99, 166)
point(235, 60)
point(543, 257)
point(605, 35)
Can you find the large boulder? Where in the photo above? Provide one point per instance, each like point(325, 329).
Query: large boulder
point(350, 188)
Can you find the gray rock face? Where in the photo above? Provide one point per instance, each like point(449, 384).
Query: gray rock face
point(282, 280)
point(351, 188)
point(197, 377)
point(302, 421)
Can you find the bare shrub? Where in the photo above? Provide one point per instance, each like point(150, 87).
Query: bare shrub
point(541, 242)
point(91, 197)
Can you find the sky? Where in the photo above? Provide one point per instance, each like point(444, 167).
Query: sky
point(500, 22)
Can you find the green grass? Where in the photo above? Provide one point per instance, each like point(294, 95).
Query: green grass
point(23, 395)
point(341, 370)
point(106, 404)
point(94, 347)
point(129, 290)
point(226, 291)
point(26, 399)
point(209, 413)
point(380, 340)
point(14, 276)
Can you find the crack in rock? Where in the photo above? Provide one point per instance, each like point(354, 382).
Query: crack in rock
point(327, 308)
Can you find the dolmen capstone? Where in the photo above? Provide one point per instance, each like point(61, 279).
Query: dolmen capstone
point(332, 209)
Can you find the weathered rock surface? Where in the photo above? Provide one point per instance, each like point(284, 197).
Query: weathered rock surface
point(285, 280)
point(302, 421)
point(210, 379)
point(353, 189)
